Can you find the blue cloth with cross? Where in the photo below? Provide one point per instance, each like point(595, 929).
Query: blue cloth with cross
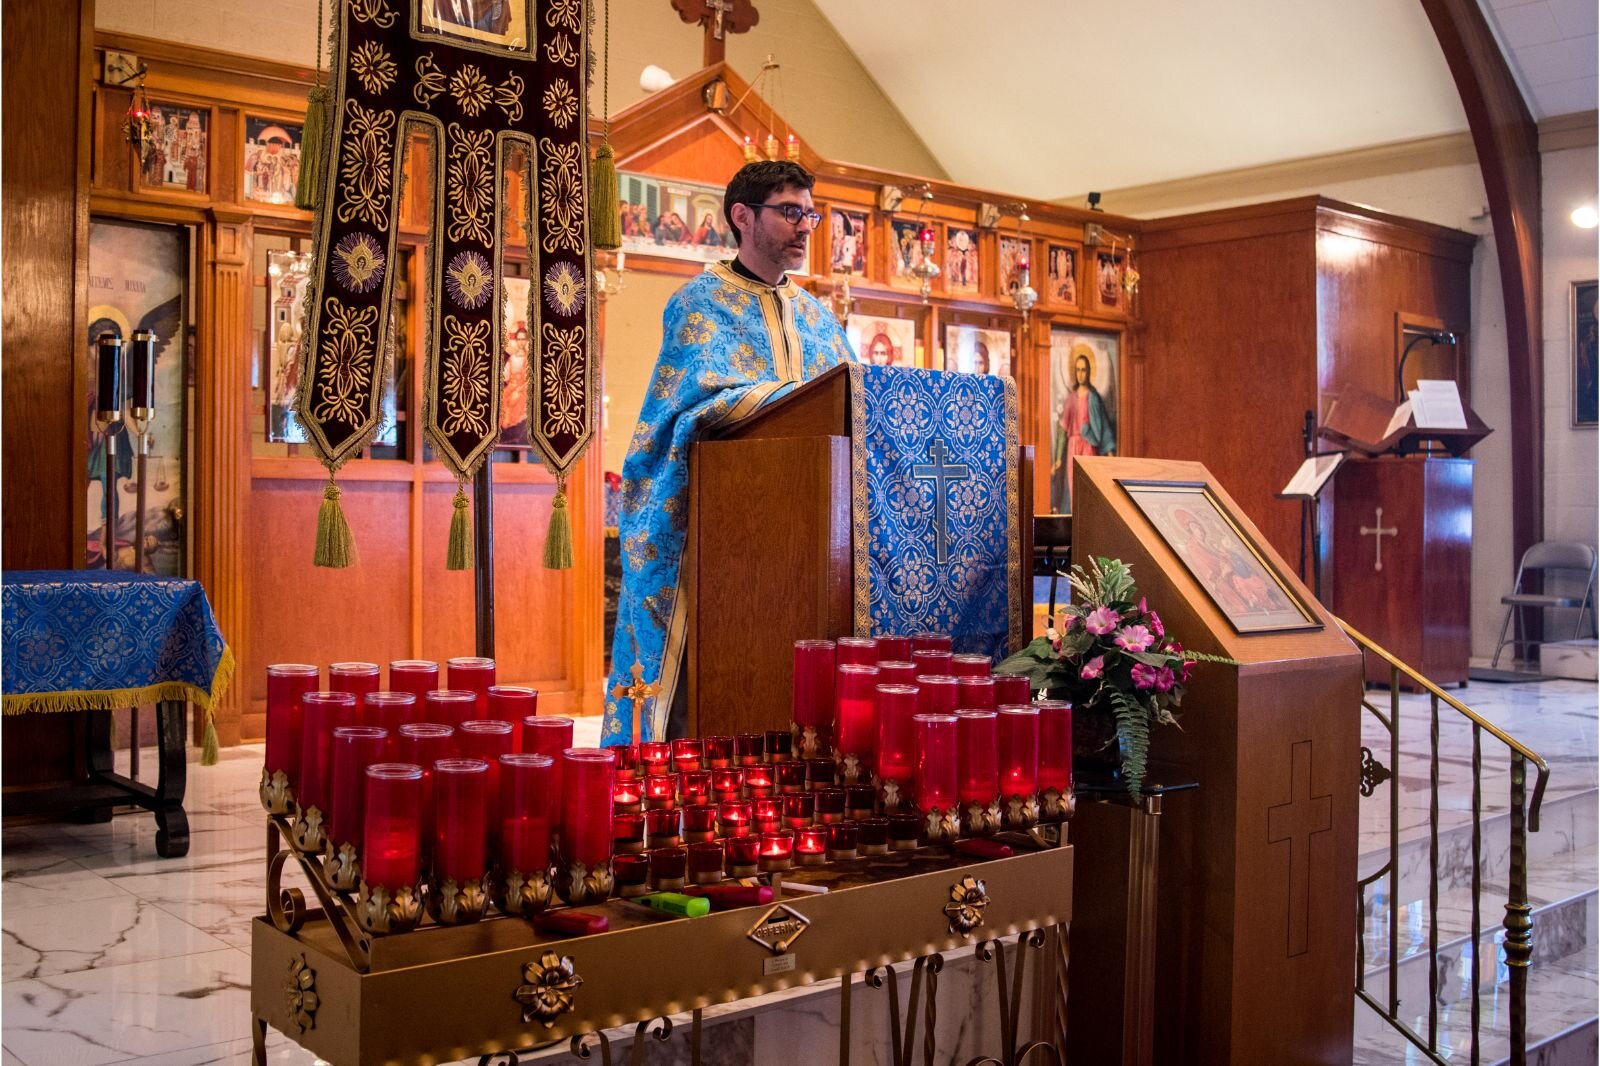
point(935, 491)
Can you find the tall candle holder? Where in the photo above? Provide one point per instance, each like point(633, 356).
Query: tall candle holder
point(855, 720)
point(527, 815)
point(936, 780)
point(897, 740)
point(320, 712)
point(460, 888)
point(286, 683)
point(107, 419)
point(1019, 765)
point(978, 767)
point(141, 424)
point(1056, 798)
point(355, 747)
point(583, 867)
point(811, 707)
point(390, 897)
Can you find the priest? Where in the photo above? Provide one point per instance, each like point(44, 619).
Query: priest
point(734, 339)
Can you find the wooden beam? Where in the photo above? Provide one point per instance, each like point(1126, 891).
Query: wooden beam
point(1507, 143)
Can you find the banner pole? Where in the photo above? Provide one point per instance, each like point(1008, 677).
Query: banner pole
point(483, 555)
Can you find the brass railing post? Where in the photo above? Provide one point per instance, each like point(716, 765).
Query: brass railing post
point(1519, 916)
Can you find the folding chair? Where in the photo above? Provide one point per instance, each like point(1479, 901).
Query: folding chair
point(1544, 557)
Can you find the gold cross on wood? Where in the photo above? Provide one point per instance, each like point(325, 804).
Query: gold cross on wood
point(639, 693)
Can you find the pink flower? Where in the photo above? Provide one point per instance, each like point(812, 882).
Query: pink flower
point(1101, 621)
point(1188, 670)
point(1134, 638)
point(1144, 608)
point(1073, 622)
point(1164, 679)
point(1144, 676)
point(1093, 668)
point(1155, 625)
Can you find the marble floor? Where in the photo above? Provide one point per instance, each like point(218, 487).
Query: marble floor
point(113, 955)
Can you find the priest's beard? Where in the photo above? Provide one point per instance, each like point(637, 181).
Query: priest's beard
point(782, 251)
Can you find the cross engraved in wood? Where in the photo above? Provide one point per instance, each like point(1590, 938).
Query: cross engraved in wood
point(941, 473)
point(1377, 533)
point(639, 693)
point(1297, 821)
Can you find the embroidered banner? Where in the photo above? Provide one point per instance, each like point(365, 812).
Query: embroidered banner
point(489, 81)
point(934, 487)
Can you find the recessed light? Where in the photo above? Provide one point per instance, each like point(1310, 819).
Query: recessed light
point(1585, 217)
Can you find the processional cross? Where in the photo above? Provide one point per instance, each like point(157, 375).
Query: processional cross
point(639, 693)
point(719, 17)
point(1377, 533)
point(941, 473)
point(1297, 821)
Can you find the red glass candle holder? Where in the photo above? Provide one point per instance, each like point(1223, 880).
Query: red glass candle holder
point(821, 773)
point(627, 832)
point(627, 795)
point(859, 801)
point(936, 776)
point(452, 706)
point(894, 649)
point(460, 822)
point(627, 760)
point(905, 830)
point(829, 804)
point(768, 813)
point(978, 765)
point(473, 674)
point(734, 818)
point(358, 679)
point(1012, 689)
point(799, 810)
point(391, 837)
point(812, 699)
point(727, 782)
point(513, 703)
point(930, 642)
point(527, 811)
point(550, 735)
point(390, 710)
point(655, 756)
point(743, 856)
point(487, 739)
point(694, 787)
point(320, 714)
point(416, 676)
point(749, 748)
point(1055, 759)
point(663, 828)
point(938, 694)
point(425, 743)
point(777, 850)
point(719, 752)
point(699, 823)
point(632, 875)
point(811, 846)
point(855, 722)
point(706, 860)
point(354, 748)
point(860, 651)
point(896, 739)
point(873, 835)
point(968, 665)
point(791, 777)
point(976, 693)
point(687, 754)
point(1019, 765)
point(780, 745)
point(896, 672)
point(930, 663)
point(661, 792)
point(286, 683)
point(843, 838)
point(586, 813)
point(758, 781)
point(668, 867)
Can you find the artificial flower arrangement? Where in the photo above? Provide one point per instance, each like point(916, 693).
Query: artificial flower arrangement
point(1112, 653)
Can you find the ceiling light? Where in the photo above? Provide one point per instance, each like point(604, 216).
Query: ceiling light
point(1585, 217)
point(653, 79)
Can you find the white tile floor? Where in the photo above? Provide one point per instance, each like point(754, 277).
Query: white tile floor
point(114, 955)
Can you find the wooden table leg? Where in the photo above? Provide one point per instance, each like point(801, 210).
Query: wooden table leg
point(97, 759)
point(172, 824)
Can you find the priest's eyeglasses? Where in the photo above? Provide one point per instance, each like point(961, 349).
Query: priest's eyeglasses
point(792, 213)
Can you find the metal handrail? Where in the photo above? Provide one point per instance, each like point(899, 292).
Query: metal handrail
point(1524, 818)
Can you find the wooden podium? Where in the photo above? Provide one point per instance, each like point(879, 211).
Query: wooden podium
point(1256, 916)
point(769, 558)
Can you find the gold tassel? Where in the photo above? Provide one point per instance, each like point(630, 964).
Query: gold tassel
point(208, 747)
point(313, 137)
point(459, 556)
point(335, 547)
point(558, 541)
point(605, 223)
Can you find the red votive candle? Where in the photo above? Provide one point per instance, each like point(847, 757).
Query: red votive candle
point(767, 813)
point(829, 804)
point(627, 795)
point(931, 663)
point(586, 783)
point(873, 836)
point(842, 840)
point(719, 752)
point(661, 791)
point(667, 868)
point(938, 694)
point(320, 713)
point(727, 782)
point(391, 836)
point(513, 703)
point(1055, 745)
point(286, 683)
point(777, 850)
point(1019, 751)
point(758, 781)
point(811, 845)
point(1011, 689)
point(655, 756)
point(416, 676)
point(749, 748)
point(662, 828)
point(705, 862)
point(891, 672)
point(687, 754)
point(390, 710)
point(743, 855)
point(550, 735)
point(930, 642)
point(855, 724)
point(460, 820)
point(977, 693)
point(452, 706)
point(791, 777)
point(527, 811)
point(820, 773)
point(425, 743)
point(632, 874)
point(474, 674)
point(627, 831)
point(812, 702)
point(860, 651)
point(978, 759)
point(695, 787)
point(699, 823)
point(358, 679)
point(486, 739)
point(905, 830)
point(355, 747)
point(896, 649)
point(971, 665)
point(859, 801)
point(627, 760)
point(799, 809)
point(733, 818)
point(780, 745)
point(936, 761)
point(896, 738)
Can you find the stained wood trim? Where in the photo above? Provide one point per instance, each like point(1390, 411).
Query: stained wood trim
point(287, 76)
point(1581, 129)
point(1293, 216)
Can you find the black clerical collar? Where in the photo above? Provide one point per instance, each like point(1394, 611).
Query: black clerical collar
point(750, 275)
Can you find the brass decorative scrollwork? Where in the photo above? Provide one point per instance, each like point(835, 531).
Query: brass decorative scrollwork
point(1011, 1002)
point(550, 983)
point(300, 991)
point(1373, 772)
point(969, 897)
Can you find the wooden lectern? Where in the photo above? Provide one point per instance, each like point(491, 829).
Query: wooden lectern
point(769, 558)
point(1256, 915)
